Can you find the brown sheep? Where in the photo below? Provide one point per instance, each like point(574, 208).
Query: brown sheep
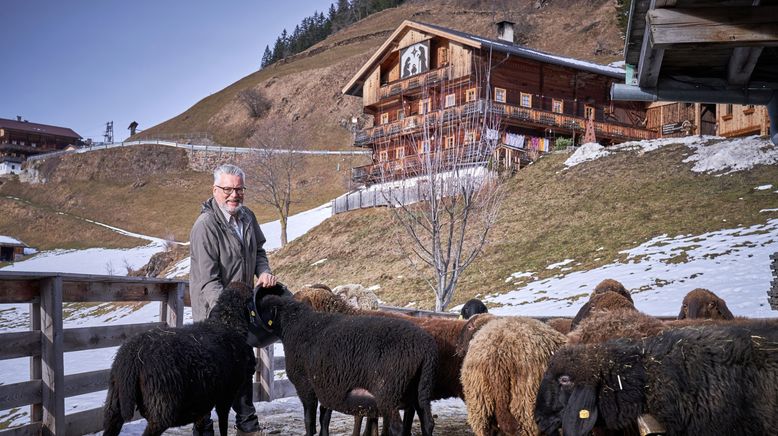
point(501, 374)
point(612, 286)
point(562, 325)
point(702, 303)
point(445, 331)
point(599, 301)
point(620, 323)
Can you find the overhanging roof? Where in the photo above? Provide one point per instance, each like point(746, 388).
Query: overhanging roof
point(355, 84)
point(716, 51)
point(40, 129)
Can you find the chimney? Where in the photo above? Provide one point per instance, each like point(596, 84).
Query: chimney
point(505, 31)
point(18, 118)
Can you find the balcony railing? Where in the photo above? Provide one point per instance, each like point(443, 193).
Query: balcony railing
point(418, 81)
point(531, 117)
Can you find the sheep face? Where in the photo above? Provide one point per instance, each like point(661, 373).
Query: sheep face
point(704, 304)
point(586, 386)
point(472, 307)
point(260, 333)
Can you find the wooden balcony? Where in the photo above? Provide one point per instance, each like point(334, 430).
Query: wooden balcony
point(412, 165)
point(419, 81)
point(511, 115)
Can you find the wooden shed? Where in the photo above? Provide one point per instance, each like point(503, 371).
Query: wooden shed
point(11, 249)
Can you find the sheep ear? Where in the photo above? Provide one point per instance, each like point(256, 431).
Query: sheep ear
point(580, 414)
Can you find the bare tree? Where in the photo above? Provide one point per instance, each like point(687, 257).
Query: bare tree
point(444, 213)
point(275, 160)
point(255, 101)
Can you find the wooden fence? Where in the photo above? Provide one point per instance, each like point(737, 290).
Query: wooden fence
point(47, 340)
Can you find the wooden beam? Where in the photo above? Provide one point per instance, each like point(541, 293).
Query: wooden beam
point(33, 429)
point(742, 63)
point(20, 394)
point(87, 338)
point(53, 371)
point(731, 25)
point(114, 291)
point(20, 344)
point(650, 62)
point(86, 382)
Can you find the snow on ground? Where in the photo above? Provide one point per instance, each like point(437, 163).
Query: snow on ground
point(734, 263)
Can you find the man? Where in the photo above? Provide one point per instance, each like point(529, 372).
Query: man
point(226, 246)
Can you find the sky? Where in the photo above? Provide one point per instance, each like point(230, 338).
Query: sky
point(81, 63)
point(732, 262)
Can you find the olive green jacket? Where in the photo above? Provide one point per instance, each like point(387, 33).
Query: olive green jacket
point(218, 257)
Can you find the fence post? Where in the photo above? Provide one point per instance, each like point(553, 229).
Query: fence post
point(53, 367)
point(36, 410)
point(265, 373)
point(171, 311)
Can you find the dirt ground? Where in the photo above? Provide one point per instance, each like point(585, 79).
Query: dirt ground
point(284, 417)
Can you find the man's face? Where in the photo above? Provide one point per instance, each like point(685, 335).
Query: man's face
point(232, 202)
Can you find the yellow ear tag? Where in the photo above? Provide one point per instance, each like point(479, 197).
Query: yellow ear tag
point(270, 322)
point(583, 414)
point(253, 314)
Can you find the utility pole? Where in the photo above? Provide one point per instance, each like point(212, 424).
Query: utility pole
point(108, 135)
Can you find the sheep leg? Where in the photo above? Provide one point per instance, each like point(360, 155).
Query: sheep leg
point(153, 429)
point(358, 426)
point(223, 412)
point(408, 414)
point(393, 425)
point(371, 427)
point(425, 418)
point(325, 415)
point(309, 413)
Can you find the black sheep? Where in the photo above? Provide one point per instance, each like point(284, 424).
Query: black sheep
point(716, 379)
point(176, 376)
point(472, 307)
point(358, 365)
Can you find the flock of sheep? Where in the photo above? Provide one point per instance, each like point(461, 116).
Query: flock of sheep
point(610, 370)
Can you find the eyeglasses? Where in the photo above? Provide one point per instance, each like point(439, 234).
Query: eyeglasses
point(228, 190)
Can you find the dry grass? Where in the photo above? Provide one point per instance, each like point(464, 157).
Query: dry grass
point(587, 213)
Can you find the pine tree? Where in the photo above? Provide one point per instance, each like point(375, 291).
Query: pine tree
point(267, 57)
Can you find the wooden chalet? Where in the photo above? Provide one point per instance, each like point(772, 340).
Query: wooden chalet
point(20, 139)
point(424, 72)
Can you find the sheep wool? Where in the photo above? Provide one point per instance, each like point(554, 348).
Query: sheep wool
point(501, 374)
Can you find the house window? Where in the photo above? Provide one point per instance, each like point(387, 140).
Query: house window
point(425, 146)
point(450, 140)
point(383, 156)
point(470, 95)
point(424, 106)
point(442, 56)
point(451, 100)
point(401, 114)
point(500, 95)
point(385, 118)
point(557, 106)
point(469, 136)
point(526, 100)
point(589, 112)
point(399, 153)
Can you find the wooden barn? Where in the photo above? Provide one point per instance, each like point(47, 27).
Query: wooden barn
point(20, 139)
point(424, 72)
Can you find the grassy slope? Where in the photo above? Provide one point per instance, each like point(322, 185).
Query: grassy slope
point(549, 215)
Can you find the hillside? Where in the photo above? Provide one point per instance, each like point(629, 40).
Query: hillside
point(306, 87)
point(590, 212)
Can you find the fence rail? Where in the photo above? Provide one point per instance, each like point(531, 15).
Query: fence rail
point(220, 149)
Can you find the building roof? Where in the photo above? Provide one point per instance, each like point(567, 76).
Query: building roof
point(9, 241)
point(478, 42)
point(723, 51)
point(41, 129)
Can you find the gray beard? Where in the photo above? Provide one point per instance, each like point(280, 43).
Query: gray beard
point(235, 213)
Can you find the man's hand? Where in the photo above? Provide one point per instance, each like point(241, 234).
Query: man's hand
point(266, 280)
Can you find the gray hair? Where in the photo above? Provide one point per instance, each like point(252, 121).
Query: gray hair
point(227, 169)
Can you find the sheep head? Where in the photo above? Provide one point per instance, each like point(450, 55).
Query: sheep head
point(322, 300)
point(472, 307)
point(704, 304)
point(469, 330)
point(585, 385)
point(601, 302)
point(610, 285)
point(258, 334)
